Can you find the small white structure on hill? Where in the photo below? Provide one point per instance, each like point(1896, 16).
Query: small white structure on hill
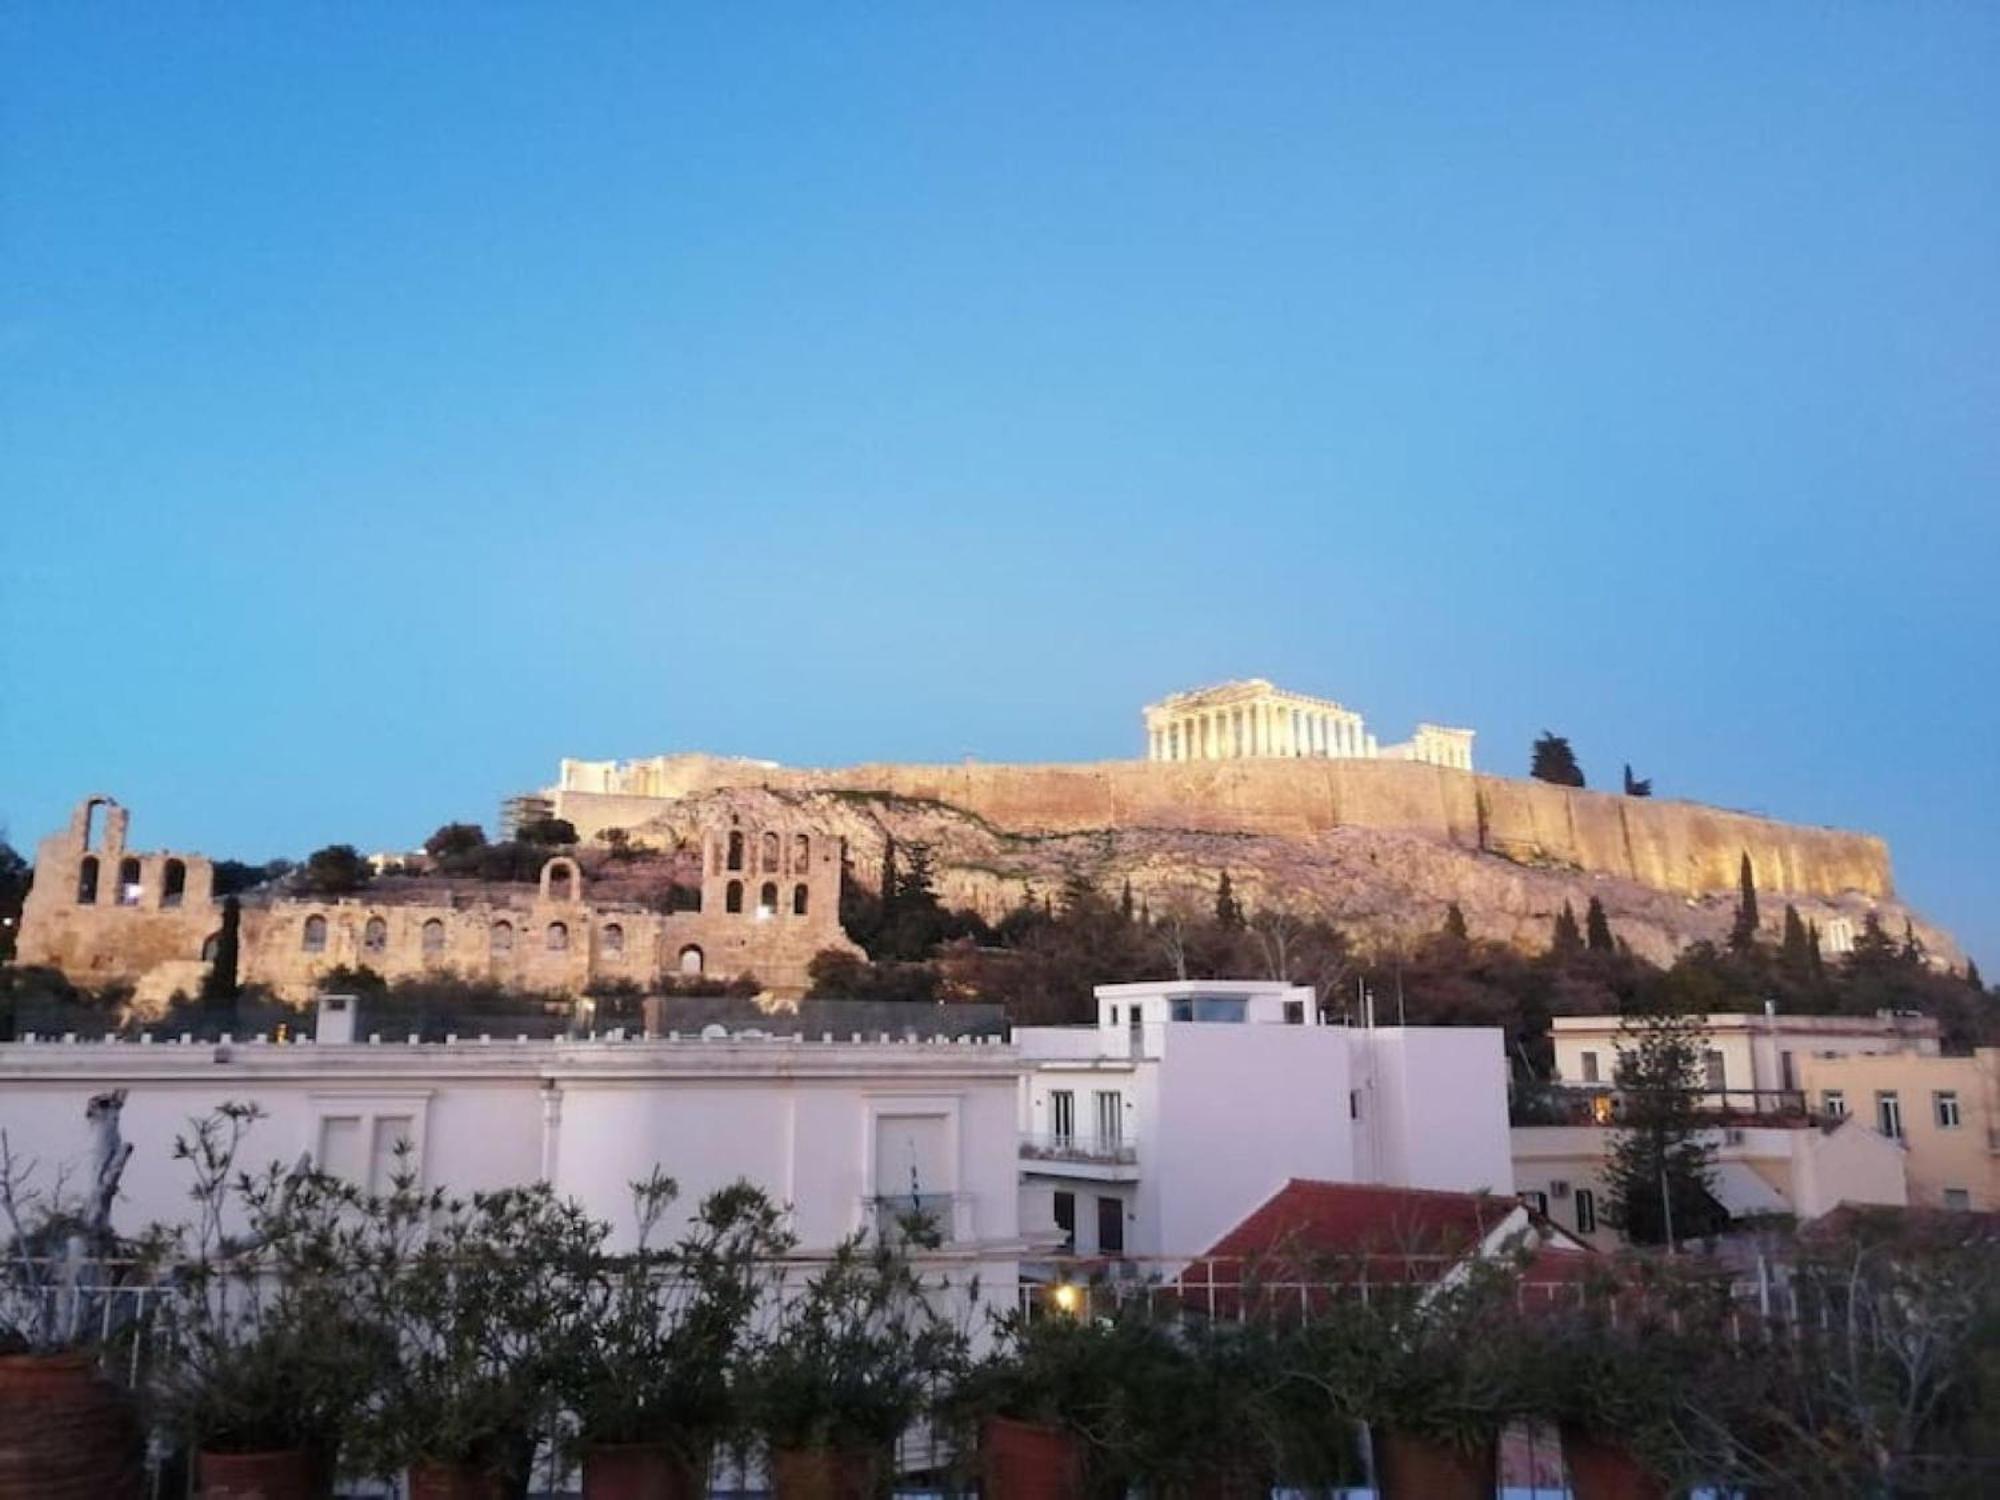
point(1255, 720)
point(1190, 1102)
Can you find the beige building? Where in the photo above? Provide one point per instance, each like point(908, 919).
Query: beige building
point(1747, 1054)
point(769, 901)
point(1945, 1111)
point(1254, 719)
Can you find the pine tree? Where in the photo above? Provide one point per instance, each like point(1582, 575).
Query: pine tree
point(1743, 934)
point(1597, 929)
point(1454, 923)
point(1913, 948)
point(1661, 1159)
point(1815, 959)
point(1972, 975)
point(1554, 761)
point(1568, 937)
point(1228, 910)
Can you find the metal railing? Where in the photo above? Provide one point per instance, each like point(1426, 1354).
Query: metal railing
point(1109, 1150)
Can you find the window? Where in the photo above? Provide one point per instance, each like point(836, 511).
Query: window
point(1110, 1226)
point(1538, 1201)
point(1889, 1114)
point(770, 864)
point(128, 882)
point(1787, 1076)
point(313, 938)
point(801, 854)
point(1062, 1115)
point(556, 939)
point(767, 899)
point(1833, 1104)
point(1295, 1013)
point(690, 959)
point(1590, 1067)
point(1716, 1067)
point(1944, 1108)
point(1110, 1118)
point(735, 849)
point(86, 881)
point(374, 935)
point(500, 940)
point(614, 940)
point(1957, 1198)
point(798, 900)
point(433, 938)
point(1586, 1211)
point(732, 895)
point(1208, 1008)
point(1066, 1218)
point(173, 883)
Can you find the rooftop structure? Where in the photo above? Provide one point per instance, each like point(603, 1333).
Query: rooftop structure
point(1254, 719)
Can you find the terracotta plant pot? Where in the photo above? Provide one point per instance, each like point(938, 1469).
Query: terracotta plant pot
point(824, 1474)
point(66, 1433)
point(283, 1474)
point(1408, 1467)
point(1026, 1461)
point(640, 1471)
point(1602, 1468)
point(441, 1481)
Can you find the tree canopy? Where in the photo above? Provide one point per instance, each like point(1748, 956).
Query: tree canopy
point(1554, 761)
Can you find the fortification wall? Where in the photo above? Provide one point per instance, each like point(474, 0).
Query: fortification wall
point(1679, 847)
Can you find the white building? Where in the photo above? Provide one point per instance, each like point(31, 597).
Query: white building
point(1745, 1053)
point(1256, 720)
point(844, 1132)
point(1189, 1103)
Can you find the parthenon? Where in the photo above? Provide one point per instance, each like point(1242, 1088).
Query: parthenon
point(1255, 719)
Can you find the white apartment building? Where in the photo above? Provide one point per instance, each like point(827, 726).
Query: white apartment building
point(845, 1132)
point(1191, 1102)
point(1745, 1052)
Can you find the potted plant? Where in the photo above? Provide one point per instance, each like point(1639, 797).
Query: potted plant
point(271, 1356)
point(847, 1365)
point(475, 1297)
point(65, 1429)
point(647, 1376)
point(1193, 1406)
point(1036, 1405)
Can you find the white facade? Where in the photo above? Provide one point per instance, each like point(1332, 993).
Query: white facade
point(1189, 1103)
point(826, 1127)
point(1748, 1051)
point(1254, 720)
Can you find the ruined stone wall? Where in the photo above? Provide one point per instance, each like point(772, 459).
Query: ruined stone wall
point(1682, 848)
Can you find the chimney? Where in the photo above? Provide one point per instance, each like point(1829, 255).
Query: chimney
point(334, 1020)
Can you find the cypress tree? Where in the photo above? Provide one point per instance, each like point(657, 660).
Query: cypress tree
point(1454, 923)
point(1972, 975)
point(1228, 910)
point(1743, 935)
point(1125, 900)
point(219, 983)
point(1796, 949)
point(1634, 787)
point(1568, 937)
point(1597, 929)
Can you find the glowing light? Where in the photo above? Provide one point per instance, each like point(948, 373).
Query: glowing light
point(1066, 1297)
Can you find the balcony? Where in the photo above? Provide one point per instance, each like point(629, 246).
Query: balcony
point(1604, 1104)
point(1102, 1158)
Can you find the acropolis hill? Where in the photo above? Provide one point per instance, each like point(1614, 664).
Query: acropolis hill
point(1380, 845)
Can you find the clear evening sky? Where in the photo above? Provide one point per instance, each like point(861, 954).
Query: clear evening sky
point(395, 398)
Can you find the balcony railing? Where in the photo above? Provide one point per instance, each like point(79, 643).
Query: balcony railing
point(1605, 1104)
point(1108, 1150)
point(902, 1217)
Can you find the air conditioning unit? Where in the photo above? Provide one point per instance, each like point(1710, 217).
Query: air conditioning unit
point(1559, 1189)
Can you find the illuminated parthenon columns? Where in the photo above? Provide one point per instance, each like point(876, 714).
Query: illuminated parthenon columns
point(1254, 720)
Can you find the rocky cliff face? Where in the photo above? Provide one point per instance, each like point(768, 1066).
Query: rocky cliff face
point(1380, 847)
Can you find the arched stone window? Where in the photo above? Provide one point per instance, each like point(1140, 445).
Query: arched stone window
point(614, 940)
point(801, 853)
point(374, 935)
point(770, 853)
point(556, 940)
point(690, 959)
point(735, 848)
point(86, 881)
point(128, 882)
point(501, 939)
point(90, 829)
point(799, 899)
point(433, 938)
point(562, 868)
point(732, 896)
point(313, 938)
point(173, 883)
point(767, 899)
point(210, 946)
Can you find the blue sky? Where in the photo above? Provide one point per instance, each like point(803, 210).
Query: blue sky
point(396, 398)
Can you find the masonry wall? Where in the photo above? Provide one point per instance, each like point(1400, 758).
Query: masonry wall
point(1682, 847)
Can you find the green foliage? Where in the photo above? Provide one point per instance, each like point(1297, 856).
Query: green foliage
point(1554, 761)
point(336, 870)
point(1566, 941)
point(850, 1358)
point(1228, 910)
point(16, 876)
point(1454, 923)
point(1658, 1178)
point(1597, 929)
point(547, 833)
point(219, 984)
point(233, 876)
point(454, 847)
point(1743, 932)
point(1634, 787)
